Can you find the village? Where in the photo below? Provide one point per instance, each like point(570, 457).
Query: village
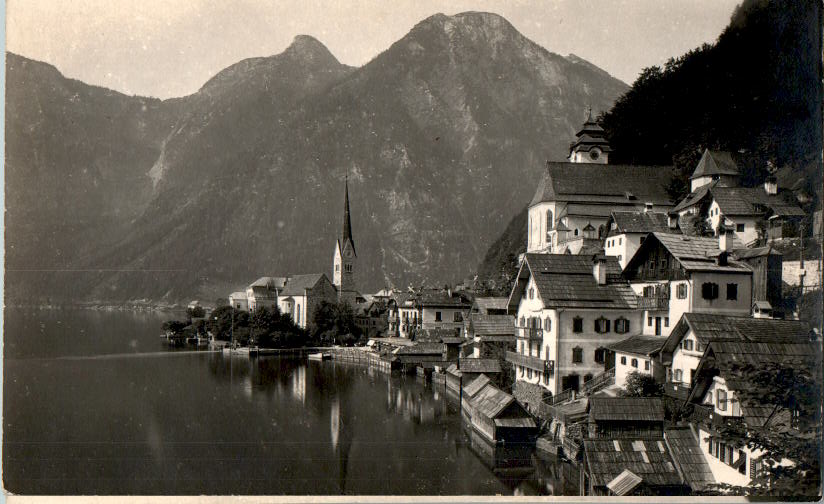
point(634, 336)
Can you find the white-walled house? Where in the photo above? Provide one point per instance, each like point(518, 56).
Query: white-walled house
point(302, 293)
point(639, 354)
point(239, 301)
point(685, 346)
point(675, 274)
point(263, 292)
point(626, 231)
point(714, 400)
point(568, 310)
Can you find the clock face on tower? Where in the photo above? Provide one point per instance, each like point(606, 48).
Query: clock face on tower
point(594, 154)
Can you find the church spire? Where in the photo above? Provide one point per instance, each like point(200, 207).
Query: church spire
point(347, 222)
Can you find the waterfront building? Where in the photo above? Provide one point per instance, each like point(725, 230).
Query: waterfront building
point(372, 318)
point(686, 344)
point(239, 301)
point(490, 336)
point(568, 309)
point(627, 230)
point(497, 416)
point(638, 354)
point(472, 368)
point(714, 400)
point(625, 417)
point(673, 274)
point(263, 292)
point(572, 204)
point(302, 294)
point(345, 260)
point(432, 310)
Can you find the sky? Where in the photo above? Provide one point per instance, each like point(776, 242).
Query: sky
point(169, 48)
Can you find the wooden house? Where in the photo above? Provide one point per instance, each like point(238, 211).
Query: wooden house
point(472, 368)
point(625, 417)
point(491, 335)
point(767, 264)
point(498, 417)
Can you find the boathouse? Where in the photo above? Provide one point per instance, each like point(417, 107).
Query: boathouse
point(499, 417)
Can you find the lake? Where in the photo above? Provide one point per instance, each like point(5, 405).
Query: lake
point(95, 403)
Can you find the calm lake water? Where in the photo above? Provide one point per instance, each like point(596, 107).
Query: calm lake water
point(94, 403)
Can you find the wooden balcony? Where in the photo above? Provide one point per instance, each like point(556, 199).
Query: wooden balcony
point(653, 302)
point(531, 333)
point(529, 362)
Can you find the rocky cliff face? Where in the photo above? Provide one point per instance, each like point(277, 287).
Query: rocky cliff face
point(443, 137)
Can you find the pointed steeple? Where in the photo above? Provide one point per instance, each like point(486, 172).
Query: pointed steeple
point(347, 222)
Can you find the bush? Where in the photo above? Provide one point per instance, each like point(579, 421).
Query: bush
point(641, 385)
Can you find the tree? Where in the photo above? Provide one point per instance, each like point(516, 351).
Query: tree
point(334, 322)
point(226, 322)
point(174, 327)
point(196, 312)
point(641, 385)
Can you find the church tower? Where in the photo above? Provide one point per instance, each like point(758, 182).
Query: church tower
point(346, 257)
point(590, 145)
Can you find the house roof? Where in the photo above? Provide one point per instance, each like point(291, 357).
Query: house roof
point(714, 162)
point(441, 299)
point(491, 401)
point(297, 284)
point(583, 182)
point(748, 253)
point(453, 370)
point(485, 304)
point(566, 281)
point(471, 365)
point(687, 454)
point(639, 222)
point(647, 458)
point(746, 201)
point(694, 253)
point(694, 197)
point(476, 385)
point(624, 483)
point(645, 409)
point(709, 327)
point(238, 294)
point(520, 422)
point(427, 348)
point(266, 281)
point(492, 325)
point(639, 345)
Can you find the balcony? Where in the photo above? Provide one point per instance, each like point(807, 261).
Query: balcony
point(531, 333)
point(653, 302)
point(529, 362)
point(705, 414)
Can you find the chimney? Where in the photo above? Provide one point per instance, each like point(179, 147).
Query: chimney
point(725, 238)
point(599, 269)
point(672, 220)
point(771, 185)
point(647, 207)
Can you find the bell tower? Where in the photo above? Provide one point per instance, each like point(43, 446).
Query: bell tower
point(345, 259)
point(590, 145)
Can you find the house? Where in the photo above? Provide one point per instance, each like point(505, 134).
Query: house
point(442, 310)
point(625, 417)
point(767, 267)
point(715, 401)
point(627, 230)
point(684, 446)
point(628, 466)
point(715, 167)
point(498, 417)
point(409, 315)
point(472, 368)
point(683, 349)
point(372, 318)
point(489, 305)
point(263, 292)
point(239, 301)
point(491, 335)
point(674, 274)
point(572, 203)
point(303, 293)
point(568, 309)
point(639, 354)
point(421, 354)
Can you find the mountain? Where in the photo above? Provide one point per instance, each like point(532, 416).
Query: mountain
point(442, 137)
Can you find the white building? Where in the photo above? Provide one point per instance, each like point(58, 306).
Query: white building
point(638, 354)
point(569, 308)
point(239, 301)
point(263, 292)
point(627, 230)
point(302, 294)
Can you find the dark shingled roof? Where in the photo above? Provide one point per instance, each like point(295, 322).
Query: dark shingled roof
point(715, 163)
point(485, 304)
point(585, 182)
point(491, 401)
point(695, 253)
point(421, 349)
point(646, 409)
point(471, 365)
point(639, 345)
point(749, 253)
point(297, 284)
point(693, 198)
point(640, 222)
point(492, 325)
point(476, 385)
point(647, 458)
point(687, 454)
point(566, 281)
point(435, 299)
point(745, 201)
point(708, 327)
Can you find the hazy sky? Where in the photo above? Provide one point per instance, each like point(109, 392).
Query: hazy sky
point(169, 48)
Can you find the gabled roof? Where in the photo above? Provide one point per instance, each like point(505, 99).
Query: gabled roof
point(491, 401)
point(566, 281)
point(238, 294)
point(694, 253)
point(748, 201)
point(708, 327)
point(441, 299)
point(266, 281)
point(639, 222)
point(715, 163)
point(624, 483)
point(687, 454)
point(471, 365)
point(492, 325)
point(584, 182)
point(694, 198)
point(298, 284)
point(644, 409)
point(476, 385)
point(748, 253)
point(647, 458)
point(485, 304)
point(639, 345)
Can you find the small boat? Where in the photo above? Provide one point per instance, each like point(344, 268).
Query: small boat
point(320, 356)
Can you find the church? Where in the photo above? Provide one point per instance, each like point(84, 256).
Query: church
point(345, 259)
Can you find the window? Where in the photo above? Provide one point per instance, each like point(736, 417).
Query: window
point(649, 291)
point(523, 321)
point(646, 365)
point(686, 344)
point(642, 239)
point(577, 324)
point(546, 378)
point(742, 462)
point(732, 291)
point(756, 468)
point(298, 314)
point(337, 267)
point(347, 268)
point(575, 233)
point(531, 293)
point(619, 257)
point(621, 325)
point(457, 317)
point(437, 316)
point(601, 325)
point(721, 400)
point(709, 290)
point(521, 370)
point(600, 355)
point(739, 228)
point(634, 363)
point(537, 323)
point(699, 346)
point(548, 220)
point(529, 373)
point(666, 321)
point(681, 291)
point(649, 321)
point(663, 264)
point(546, 353)
point(577, 355)
point(679, 375)
point(547, 323)
point(624, 360)
point(620, 240)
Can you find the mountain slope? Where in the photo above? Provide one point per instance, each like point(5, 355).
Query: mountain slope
point(443, 136)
